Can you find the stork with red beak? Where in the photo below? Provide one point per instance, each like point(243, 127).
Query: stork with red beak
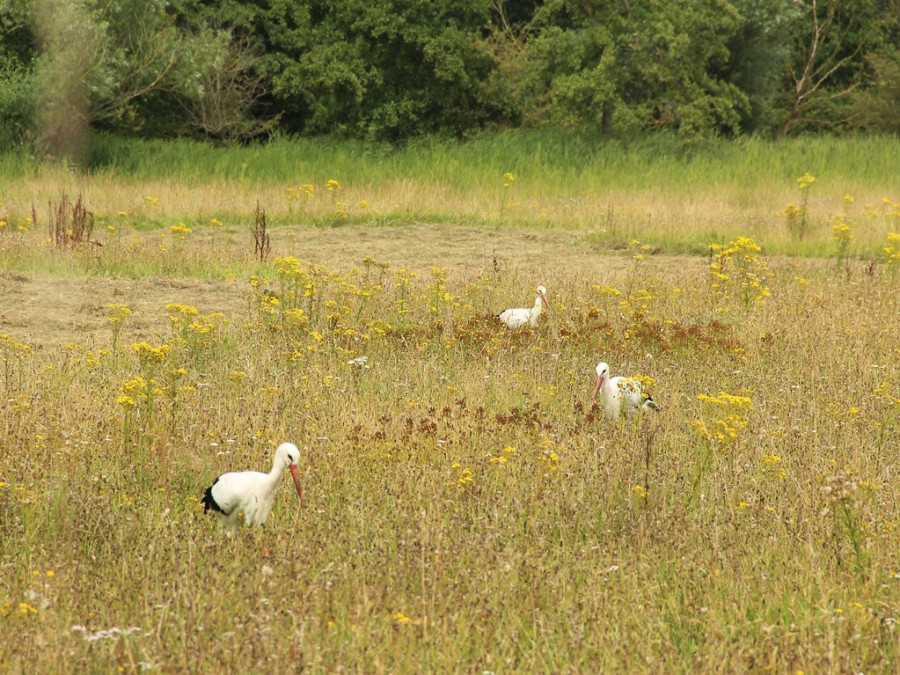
point(621, 396)
point(251, 494)
point(516, 318)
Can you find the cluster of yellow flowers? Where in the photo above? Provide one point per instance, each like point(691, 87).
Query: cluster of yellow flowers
point(892, 252)
point(736, 269)
point(402, 619)
point(118, 313)
point(638, 382)
point(464, 478)
point(729, 418)
point(796, 215)
point(805, 181)
point(305, 191)
point(504, 455)
point(136, 390)
point(178, 313)
point(440, 297)
point(640, 250)
point(148, 354)
point(842, 235)
point(9, 345)
point(772, 467)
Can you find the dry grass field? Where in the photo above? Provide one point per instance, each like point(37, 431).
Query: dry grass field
point(468, 507)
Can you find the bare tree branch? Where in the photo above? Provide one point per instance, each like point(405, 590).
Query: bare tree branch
point(818, 69)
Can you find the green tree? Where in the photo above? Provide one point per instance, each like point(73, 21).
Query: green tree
point(759, 51)
point(385, 70)
point(646, 65)
point(877, 108)
point(231, 98)
point(16, 73)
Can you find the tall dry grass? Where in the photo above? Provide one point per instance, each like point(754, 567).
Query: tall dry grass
point(468, 508)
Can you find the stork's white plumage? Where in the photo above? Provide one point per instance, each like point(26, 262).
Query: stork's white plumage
point(516, 318)
point(249, 495)
point(621, 396)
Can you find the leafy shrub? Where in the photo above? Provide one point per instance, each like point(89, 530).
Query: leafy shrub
point(16, 105)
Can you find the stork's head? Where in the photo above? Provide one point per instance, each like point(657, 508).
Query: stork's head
point(289, 456)
point(602, 371)
point(542, 293)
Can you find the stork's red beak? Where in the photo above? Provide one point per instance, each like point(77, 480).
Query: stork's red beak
point(295, 474)
point(597, 388)
point(546, 303)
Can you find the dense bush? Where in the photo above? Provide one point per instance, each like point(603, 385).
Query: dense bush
point(239, 69)
point(16, 105)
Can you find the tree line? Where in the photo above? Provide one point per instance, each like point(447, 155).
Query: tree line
point(395, 69)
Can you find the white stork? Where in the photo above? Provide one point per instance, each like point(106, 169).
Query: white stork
point(621, 396)
point(250, 494)
point(516, 318)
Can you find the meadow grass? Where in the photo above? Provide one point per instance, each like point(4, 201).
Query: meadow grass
point(468, 508)
point(675, 196)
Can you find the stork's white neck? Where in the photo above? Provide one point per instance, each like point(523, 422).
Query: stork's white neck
point(278, 466)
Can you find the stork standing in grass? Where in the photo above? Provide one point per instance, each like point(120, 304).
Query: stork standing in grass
point(250, 494)
point(621, 396)
point(516, 318)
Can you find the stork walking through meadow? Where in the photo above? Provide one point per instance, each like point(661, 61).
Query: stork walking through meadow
point(516, 318)
point(249, 495)
point(621, 396)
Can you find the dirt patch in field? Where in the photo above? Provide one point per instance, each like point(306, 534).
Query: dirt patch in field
point(540, 253)
point(47, 311)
